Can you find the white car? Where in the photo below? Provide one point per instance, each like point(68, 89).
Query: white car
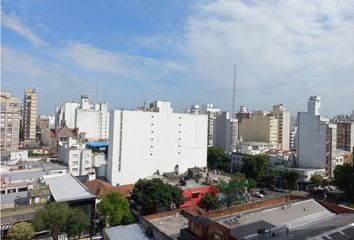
point(257, 194)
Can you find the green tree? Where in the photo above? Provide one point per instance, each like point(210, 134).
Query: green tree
point(115, 209)
point(208, 202)
point(255, 167)
point(235, 189)
point(317, 180)
point(150, 194)
point(217, 159)
point(344, 179)
point(52, 216)
point(290, 177)
point(77, 222)
point(21, 231)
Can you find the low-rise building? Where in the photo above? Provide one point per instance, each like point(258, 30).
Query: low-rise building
point(77, 157)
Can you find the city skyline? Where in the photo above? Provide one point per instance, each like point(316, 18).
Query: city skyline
point(181, 51)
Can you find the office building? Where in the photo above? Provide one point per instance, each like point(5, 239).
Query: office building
point(91, 120)
point(30, 115)
point(262, 127)
point(283, 117)
point(9, 122)
point(225, 132)
point(154, 140)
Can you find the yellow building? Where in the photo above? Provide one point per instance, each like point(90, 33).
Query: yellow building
point(30, 114)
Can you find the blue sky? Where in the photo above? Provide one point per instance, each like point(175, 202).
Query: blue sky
point(181, 51)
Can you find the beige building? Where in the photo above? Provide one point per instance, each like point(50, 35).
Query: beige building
point(9, 121)
point(30, 114)
point(283, 117)
point(262, 127)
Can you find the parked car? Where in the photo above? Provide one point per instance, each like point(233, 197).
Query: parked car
point(257, 194)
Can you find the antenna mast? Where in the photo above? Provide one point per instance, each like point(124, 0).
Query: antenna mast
point(234, 94)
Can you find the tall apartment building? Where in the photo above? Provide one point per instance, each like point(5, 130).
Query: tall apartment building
point(30, 114)
point(262, 127)
point(157, 139)
point(331, 147)
point(77, 157)
point(226, 132)
point(283, 117)
point(345, 132)
point(91, 120)
point(315, 138)
point(212, 113)
point(207, 109)
point(9, 121)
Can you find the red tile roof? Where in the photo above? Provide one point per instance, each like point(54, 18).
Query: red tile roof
point(100, 187)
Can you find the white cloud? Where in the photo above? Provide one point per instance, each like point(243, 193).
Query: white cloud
point(13, 22)
point(275, 44)
point(91, 58)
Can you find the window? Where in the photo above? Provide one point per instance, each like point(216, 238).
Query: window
point(87, 162)
point(75, 163)
point(75, 155)
point(74, 169)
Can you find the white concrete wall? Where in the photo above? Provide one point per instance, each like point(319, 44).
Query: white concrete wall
point(143, 142)
point(225, 132)
point(310, 141)
point(88, 121)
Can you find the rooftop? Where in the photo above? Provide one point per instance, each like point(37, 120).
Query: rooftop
point(293, 215)
point(171, 225)
point(100, 187)
point(14, 197)
point(128, 232)
point(67, 188)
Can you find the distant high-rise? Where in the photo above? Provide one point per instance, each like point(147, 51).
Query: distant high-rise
point(315, 138)
point(212, 114)
point(345, 132)
point(30, 114)
point(225, 132)
point(283, 117)
point(9, 121)
point(207, 109)
point(261, 127)
point(92, 120)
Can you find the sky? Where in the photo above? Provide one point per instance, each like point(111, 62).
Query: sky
point(130, 52)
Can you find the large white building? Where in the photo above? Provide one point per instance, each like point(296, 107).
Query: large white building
point(225, 132)
point(315, 138)
point(76, 156)
point(91, 120)
point(144, 142)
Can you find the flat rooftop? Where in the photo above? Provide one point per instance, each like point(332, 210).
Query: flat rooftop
point(67, 188)
point(128, 232)
point(19, 175)
point(292, 215)
point(171, 225)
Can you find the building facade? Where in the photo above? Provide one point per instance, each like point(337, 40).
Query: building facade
point(77, 157)
point(315, 138)
point(262, 127)
point(225, 132)
point(345, 134)
point(30, 114)
point(91, 120)
point(212, 113)
point(9, 122)
point(142, 142)
point(283, 117)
